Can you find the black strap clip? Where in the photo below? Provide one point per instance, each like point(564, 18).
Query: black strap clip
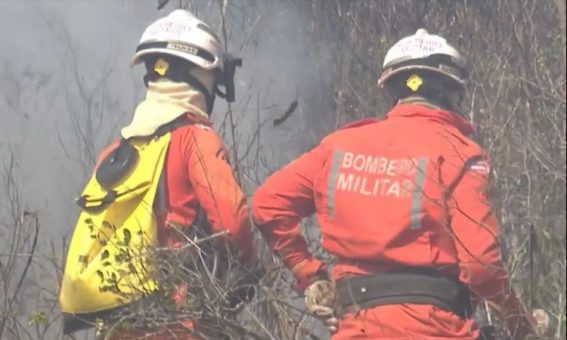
point(226, 79)
point(108, 199)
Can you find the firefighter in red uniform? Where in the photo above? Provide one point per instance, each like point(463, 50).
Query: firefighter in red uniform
point(184, 64)
point(402, 206)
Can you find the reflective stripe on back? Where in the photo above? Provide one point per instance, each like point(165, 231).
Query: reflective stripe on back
point(417, 195)
point(337, 158)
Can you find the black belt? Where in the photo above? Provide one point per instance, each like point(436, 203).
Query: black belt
point(414, 286)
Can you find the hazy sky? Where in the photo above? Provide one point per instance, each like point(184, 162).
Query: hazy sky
point(44, 42)
point(47, 45)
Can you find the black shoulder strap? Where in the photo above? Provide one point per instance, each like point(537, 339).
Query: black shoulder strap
point(174, 124)
point(160, 202)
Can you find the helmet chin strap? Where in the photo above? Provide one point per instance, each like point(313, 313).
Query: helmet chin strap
point(455, 101)
point(226, 78)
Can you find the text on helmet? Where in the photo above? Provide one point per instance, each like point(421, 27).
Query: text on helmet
point(418, 45)
point(183, 48)
point(166, 30)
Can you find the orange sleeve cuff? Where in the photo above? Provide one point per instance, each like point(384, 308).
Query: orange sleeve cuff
point(497, 290)
point(305, 272)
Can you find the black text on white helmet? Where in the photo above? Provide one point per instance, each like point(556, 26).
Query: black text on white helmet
point(182, 35)
point(423, 51)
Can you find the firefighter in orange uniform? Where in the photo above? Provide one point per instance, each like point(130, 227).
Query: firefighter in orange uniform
point(402, 206)
point(184, 63)
point(198, 174)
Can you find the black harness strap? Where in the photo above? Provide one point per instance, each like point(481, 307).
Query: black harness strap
point(160, 202)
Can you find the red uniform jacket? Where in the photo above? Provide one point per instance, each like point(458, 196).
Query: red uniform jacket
point(199, 176)
point(409, 190)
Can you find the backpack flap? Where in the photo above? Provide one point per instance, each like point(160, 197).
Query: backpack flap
point(107, 262)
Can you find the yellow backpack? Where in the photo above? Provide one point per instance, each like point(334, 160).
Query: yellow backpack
point(107, 264)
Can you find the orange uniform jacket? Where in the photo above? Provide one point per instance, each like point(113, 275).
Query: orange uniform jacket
point(199, 176)
point(409, 190)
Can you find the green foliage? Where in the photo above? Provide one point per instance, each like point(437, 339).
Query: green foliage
point(37, 318)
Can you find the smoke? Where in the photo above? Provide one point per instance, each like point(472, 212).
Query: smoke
point(45, 43)
point(66, 63)
point(66, 88)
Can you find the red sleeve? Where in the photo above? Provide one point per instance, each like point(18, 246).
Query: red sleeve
point(475, 227)
point(278, 206)
point(476, 232)
point(217, 190)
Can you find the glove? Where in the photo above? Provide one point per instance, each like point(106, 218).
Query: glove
point(532, 325)
point(542, 321)
point(320, 300)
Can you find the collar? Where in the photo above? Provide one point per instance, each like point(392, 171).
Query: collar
point(427, 110)
point(198, 119)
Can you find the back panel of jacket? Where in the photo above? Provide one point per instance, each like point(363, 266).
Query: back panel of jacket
point(381, 191)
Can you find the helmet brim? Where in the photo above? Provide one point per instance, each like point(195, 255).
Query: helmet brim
point(139, 56)
point(389, 74)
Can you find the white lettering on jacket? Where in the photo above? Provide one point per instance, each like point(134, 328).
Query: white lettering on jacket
point(376, 176)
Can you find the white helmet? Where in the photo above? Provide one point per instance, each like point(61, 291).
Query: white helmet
point(182, 35)
point(424, 51)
